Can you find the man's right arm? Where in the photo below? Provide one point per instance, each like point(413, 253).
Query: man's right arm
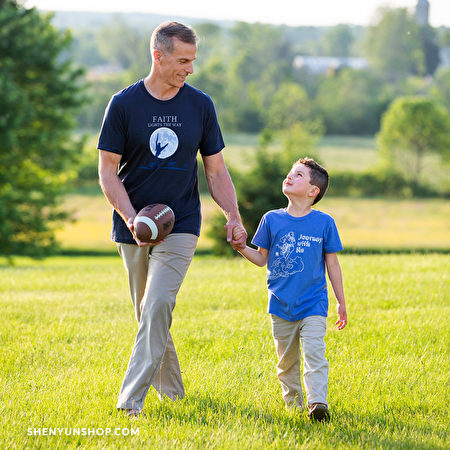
point(113, 187)
point(114, 190)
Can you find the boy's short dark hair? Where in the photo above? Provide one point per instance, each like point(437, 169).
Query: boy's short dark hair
point(318, 175)
point(162, 36)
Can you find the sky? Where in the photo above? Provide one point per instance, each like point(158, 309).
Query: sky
point(289, 12)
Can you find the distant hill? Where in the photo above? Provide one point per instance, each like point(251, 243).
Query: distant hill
point(146, 23)
point(87, 19)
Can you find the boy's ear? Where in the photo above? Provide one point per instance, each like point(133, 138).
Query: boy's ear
point(314, 192)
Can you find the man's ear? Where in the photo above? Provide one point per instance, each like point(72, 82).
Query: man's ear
point(157, 55)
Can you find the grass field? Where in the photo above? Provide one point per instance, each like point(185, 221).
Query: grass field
point(68, 327)
point(365, 223)
point(336, 152)
point(362, 223)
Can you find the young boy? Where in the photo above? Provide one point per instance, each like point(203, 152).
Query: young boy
point(297, 243)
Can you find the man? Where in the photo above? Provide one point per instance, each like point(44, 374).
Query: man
point(148, 145)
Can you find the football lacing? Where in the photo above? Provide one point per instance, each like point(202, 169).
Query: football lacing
point(162, 212)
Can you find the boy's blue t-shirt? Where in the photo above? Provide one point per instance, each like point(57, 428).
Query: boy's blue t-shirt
point(159, 141)
point(296, 265)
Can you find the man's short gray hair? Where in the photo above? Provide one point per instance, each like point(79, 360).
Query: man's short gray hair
point(162, 37)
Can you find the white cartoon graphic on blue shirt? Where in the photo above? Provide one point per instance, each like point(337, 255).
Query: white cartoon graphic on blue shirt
point(163, 142)
point(284, 265)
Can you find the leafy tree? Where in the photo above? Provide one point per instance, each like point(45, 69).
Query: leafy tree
point(121, 44)
point(411, 86)
point(40, 92)
point(351, 102)
point(259, 189)
point(430, 49)
point(85, 49)
point(211, 42)
point(244, 98)
point(260, 61)
point(211, 78)
point(99, 92)
point(338, 41)
point(411, 128)
point(393, 45)
point(445, 38)
point(262, 51)
point(289, 105)
point(248, 114)
point(440, 90)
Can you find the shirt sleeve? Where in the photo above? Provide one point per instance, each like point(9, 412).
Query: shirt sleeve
point(113, 133)
point(212, 140)
point(332, 240)
point(262, 236)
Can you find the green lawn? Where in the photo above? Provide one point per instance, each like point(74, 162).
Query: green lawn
point(347, 153)
point(336, 153)
point(362, 223)
point(68, 328)
point(353, 153)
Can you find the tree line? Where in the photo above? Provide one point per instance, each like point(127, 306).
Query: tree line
point(248, 70)
point(47, 96)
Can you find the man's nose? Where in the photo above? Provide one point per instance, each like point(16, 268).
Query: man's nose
point(190, 68)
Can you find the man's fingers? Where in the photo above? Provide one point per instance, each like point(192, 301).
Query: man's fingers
point(229, 230)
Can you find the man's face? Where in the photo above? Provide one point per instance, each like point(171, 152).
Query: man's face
point(176, 66)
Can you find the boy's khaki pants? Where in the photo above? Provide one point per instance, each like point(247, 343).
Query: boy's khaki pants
point(155, 275)
point(310, 332)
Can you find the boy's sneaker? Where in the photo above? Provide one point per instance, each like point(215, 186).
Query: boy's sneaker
point(319, 412)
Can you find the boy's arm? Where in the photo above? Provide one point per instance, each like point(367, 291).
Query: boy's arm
point(258, 257)
point(335, 276)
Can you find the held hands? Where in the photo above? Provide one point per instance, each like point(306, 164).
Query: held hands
point(342, 316)
point(236, 235)
point(239, 234)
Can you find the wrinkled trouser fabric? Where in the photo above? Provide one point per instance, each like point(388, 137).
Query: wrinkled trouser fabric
point(155, 275)
point(310, 333)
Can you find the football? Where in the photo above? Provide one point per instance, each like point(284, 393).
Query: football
point(153, 223)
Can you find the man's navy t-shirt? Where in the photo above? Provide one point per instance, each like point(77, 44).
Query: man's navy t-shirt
point(159, 141)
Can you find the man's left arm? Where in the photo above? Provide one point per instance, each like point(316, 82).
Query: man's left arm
point(222, 191)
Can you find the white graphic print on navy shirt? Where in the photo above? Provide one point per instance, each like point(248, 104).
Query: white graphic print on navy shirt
point(163, 142)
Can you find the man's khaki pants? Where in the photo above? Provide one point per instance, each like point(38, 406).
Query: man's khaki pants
point(155, 275)
point(310, 332)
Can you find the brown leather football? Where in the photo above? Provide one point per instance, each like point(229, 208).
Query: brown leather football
point(153, 223)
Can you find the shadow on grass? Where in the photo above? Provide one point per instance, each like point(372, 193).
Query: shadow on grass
point(390, 428)
point(394, 251)
point(8, 261)
point(209, 252)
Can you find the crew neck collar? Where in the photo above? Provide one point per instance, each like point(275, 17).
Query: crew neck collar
point(170, 100)
point(306, 216)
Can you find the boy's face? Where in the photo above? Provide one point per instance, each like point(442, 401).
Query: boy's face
point(297, 182)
